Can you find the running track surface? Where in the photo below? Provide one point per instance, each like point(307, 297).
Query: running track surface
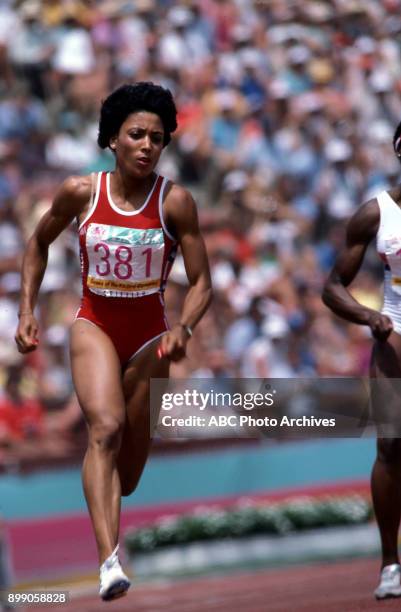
point(327, 587)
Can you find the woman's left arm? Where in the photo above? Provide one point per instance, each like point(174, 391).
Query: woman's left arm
point(182, 218)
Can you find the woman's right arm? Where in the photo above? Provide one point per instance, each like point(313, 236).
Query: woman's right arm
point(70, 201)
point(361, 229)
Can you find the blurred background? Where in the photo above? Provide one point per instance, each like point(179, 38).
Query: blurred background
point(286, 116)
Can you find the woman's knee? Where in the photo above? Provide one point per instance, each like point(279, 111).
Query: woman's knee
point(106, 434)
point(389, 451)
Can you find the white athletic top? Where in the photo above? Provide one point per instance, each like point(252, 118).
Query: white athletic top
point(388, 243)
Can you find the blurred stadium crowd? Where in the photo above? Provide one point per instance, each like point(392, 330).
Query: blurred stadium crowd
point(286, 116)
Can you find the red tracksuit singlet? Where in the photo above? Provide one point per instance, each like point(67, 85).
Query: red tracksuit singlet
point(125, 261)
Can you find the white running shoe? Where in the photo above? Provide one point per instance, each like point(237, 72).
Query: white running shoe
point(113, 582)
point(390, 582)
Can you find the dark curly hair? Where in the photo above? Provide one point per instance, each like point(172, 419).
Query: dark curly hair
point(127, 99)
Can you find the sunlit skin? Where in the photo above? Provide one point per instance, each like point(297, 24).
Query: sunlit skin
point(137, 148)
point(115, 403)
point(385, 363)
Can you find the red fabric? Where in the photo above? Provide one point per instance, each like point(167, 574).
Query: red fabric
point(147, 219)
point(130, 322)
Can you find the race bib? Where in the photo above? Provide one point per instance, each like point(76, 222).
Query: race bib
point(124, 261)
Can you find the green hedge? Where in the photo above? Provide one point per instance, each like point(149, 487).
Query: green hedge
point(250, 518)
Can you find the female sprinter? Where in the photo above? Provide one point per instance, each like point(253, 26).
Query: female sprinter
point(130, 223)
point(379, 219)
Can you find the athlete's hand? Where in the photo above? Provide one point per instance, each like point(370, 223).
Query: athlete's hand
point(173, 344)
point(381, 326)
point(26, 336)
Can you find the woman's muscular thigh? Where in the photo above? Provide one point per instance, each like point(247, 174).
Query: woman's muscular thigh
point(385, 392)
point(96, 373)
point(386, 358)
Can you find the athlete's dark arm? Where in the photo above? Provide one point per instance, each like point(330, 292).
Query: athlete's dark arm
point(182, 218)
point(361, 229)
point(69, 202)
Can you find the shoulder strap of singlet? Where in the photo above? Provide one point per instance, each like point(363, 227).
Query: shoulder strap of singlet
point(152, 199)
point(387, 207)
point(163, 185)
point(384, 199)
point(94, 198)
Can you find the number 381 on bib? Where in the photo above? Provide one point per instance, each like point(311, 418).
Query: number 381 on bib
point(124, 260)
